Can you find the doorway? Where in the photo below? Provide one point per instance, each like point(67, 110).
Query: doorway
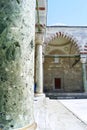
point(57, 83)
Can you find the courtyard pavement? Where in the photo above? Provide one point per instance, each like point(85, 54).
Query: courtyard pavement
point(60, 114)
point(78, 107)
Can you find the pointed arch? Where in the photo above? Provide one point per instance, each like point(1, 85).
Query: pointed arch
point(66, 36)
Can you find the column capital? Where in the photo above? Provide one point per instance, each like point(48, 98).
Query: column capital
point(39, 38)
point(83, 58)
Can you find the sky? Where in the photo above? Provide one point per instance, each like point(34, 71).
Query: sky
point(67, 12)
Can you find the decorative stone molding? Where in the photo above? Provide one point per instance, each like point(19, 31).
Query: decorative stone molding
point(77, 33)
point(66, 36)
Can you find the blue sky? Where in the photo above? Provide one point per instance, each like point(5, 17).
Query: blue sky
point(68, 12)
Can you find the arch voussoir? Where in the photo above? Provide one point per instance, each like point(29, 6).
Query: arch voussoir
point(66, 36)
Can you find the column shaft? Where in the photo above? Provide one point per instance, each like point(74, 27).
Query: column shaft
point(39, 69)
point(17, 21)
point(84, 76)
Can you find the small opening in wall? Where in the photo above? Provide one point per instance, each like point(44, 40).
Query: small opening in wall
point(56, 59)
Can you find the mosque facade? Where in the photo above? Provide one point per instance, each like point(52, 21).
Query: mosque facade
point(63, 66)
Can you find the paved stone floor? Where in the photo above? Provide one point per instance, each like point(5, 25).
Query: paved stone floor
point(78, 107)
point(60, 114)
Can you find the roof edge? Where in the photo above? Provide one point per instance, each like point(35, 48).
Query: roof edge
point(62, 26)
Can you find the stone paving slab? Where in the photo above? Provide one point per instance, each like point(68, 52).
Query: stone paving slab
point(53, 115)
point(77, 107)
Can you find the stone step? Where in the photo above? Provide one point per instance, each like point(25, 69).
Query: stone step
point(66, 95)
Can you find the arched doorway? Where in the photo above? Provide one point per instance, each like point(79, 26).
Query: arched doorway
point(62, 66)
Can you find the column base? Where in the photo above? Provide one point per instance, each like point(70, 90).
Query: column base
point(39, 95)
point(30, 127)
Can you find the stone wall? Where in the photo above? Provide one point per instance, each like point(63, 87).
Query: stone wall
point(17, 19)
point(69, 74)
point(71, 78)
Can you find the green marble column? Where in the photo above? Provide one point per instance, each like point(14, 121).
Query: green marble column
point(17, 20)
point(84, 76)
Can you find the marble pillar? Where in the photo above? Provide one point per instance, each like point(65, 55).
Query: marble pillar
point(83, 61)
point(17, 21)
point(39, 65)
point(84, 76)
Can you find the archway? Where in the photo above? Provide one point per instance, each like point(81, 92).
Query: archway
point(62, 66)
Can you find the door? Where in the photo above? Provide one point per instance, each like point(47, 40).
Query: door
point(57, 83)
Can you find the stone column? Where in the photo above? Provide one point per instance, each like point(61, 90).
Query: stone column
point(39, 64)
point(17, 20)
point(83, 61)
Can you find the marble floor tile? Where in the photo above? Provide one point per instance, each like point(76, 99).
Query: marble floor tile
point(53, 115)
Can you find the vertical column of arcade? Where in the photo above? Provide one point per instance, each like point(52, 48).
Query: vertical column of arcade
point(39, 64)
point(17, 21)
point(83, 61)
